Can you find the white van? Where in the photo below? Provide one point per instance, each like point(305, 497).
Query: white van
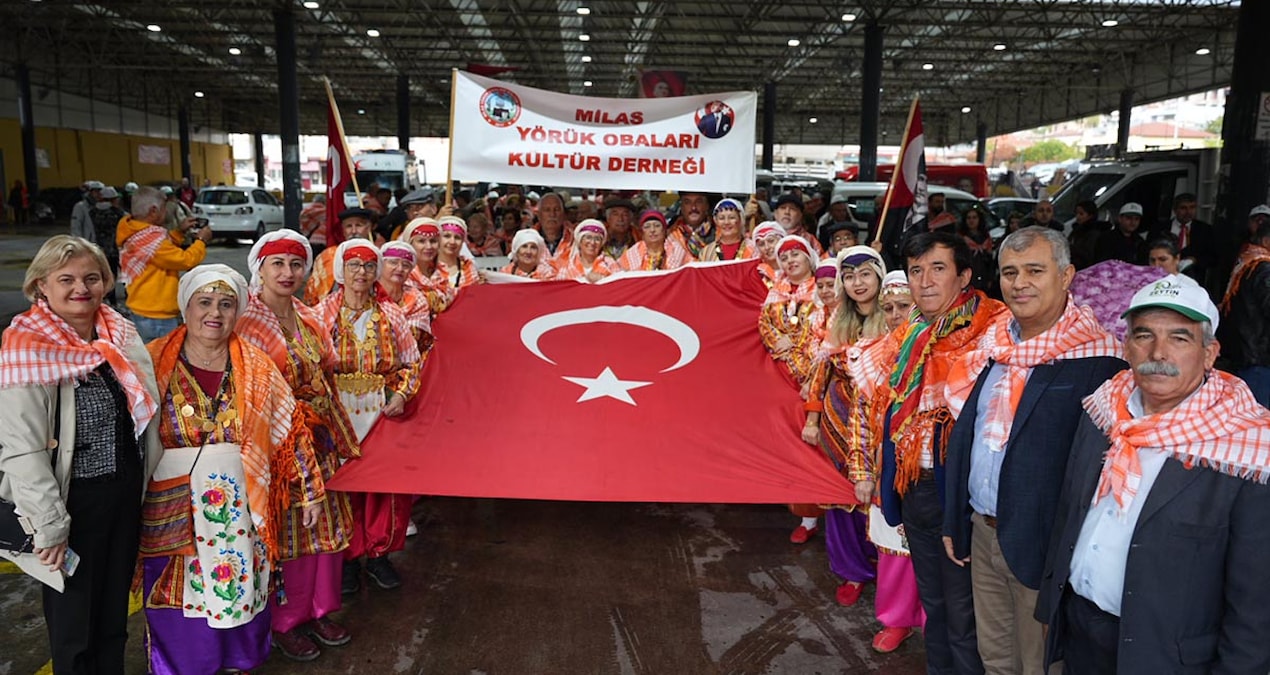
point(1150, 179)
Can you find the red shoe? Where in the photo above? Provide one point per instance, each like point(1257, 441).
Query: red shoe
point(801, 534)
point(849, 593)
point(328, 632)
point(889, 639)
point(295, 645)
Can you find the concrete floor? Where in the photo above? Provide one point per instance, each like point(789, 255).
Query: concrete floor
point(502, 586)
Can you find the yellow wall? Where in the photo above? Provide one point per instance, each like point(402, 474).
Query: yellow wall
point(76, 156)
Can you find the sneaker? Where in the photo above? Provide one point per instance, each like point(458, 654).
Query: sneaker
point(889, 639)
point(412, 529)
point(328, 632)
point(352, 581)
point(849, 593)
point(295, 645)
point(801, 534)
point(381, 571)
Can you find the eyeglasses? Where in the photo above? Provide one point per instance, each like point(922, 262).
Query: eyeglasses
point(397, 263)
point(354, 266)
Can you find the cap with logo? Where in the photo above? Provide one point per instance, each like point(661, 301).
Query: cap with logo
point(1178, 293)
point(1259, 210)
point(1131, 209)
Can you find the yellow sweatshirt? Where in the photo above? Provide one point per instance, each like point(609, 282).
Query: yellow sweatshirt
point(153, 293)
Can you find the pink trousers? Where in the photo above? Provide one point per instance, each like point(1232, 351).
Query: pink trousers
point(896, 603)
point(312, 583)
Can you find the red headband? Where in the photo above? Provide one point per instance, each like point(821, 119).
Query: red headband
point(792, 245)
point(425, 230)
point(362, 253)
point(283, 247)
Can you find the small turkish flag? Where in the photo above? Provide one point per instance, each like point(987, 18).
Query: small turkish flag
point(654, 388)
point(339, 173)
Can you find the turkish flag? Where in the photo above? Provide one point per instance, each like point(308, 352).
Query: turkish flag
point(652, 388)
point(339, 172)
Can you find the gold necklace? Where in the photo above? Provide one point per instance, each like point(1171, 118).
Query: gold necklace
point(205, 362)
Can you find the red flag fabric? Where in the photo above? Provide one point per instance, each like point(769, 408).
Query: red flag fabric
point(654, 388)
point(488, 70)
point(339, 173)
point(662, 83)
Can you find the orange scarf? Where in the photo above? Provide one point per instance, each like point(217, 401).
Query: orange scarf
point(40, 348)
point(1076, 335)
point(674, 257)
point(1249, 258)
point(1221, 426)
point(269, 438)
point(138, 250)
point(260, 326)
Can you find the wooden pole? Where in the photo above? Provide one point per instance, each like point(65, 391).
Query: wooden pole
point(895, 174)
point(449, 167)
point(339, 124)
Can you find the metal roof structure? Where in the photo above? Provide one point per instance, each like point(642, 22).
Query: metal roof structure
point(1013, 64)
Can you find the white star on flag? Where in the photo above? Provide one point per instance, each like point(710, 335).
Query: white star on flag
point(606, 385)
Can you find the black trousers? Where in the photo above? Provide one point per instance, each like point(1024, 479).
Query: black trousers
point(88, 622)
point(1091, 636)
point(945, 589)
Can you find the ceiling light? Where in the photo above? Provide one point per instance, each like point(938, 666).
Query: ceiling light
point(198, 94)
point(793, 42)
point(1110, 23)
point(1000, 47)
point(234, 51)
point(813, 120)
point(361, 111)
point(928, 66)
point(965, 109)
point(1203, 51)
point(154, 28)
point(311, 5)
point(848, 17)
point(586, 83)
point(586, 59)
point(584, 37)
point(584, 11)
point(372, 32)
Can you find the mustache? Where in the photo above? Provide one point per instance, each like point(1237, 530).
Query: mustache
point(1157, 368)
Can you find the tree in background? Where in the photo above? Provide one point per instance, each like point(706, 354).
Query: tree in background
point(1049, 151)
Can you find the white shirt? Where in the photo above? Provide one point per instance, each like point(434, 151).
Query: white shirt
point(1102, 550)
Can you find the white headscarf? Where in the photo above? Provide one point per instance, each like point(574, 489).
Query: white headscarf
point(344, 248)
point(203, 276)
point(254, 258)
point(397, 246)
point(894, 282)
point(523, 237)
point(417, 223)
point(589, 223)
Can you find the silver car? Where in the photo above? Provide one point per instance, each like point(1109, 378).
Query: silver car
point(238, 211)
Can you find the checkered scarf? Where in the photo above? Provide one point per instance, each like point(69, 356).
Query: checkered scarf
point(40, 348)
point(1249, 258)
point(260, 326)
point(138, 250)
point(1076, 335)
point(1221, 426)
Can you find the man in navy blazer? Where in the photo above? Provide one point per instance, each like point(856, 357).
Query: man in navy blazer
point(1011, 441)
point(1158, 560)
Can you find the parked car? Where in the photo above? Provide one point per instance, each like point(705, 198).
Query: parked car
point(860, 198)
point(1002, 207)
point(249, 212)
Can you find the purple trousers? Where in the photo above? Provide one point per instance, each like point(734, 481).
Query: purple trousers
point(851, 554)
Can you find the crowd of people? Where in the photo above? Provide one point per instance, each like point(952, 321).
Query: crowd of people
point(1027, 488)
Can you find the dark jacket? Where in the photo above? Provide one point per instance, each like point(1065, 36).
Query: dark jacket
point(1244, 330)
point(1035, 457)
point(1115, 245)
point(1084, 242)
point(1196, 593)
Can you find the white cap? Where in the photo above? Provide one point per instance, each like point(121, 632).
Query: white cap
point(1259, 210)
point(1178, 293)
point(1131, 209)
point(95, 185)
point(533, 196)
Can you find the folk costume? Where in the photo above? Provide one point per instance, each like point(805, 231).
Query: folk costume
point(545, 271)
point(414, 303)
point(464, 272)
point(715, 250)
point(236, 436)
point(376, 356)
point(910, 422)
point(310, 557)
point(672, 256)
point(574, 267)
point(433, 284)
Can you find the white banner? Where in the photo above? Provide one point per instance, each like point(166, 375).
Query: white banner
point(508, 133)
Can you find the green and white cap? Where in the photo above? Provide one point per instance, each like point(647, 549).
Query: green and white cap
point(1178, 293)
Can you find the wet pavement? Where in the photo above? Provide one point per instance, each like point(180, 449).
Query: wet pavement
point(524, 587)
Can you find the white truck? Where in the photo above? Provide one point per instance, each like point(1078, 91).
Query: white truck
point(392, 169)
point(1151, 179)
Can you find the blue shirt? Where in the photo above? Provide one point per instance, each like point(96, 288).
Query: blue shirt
point(1102, 550)
point(985, 463)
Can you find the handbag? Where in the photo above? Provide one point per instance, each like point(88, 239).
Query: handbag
point(167, 516)
point(16, 535)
